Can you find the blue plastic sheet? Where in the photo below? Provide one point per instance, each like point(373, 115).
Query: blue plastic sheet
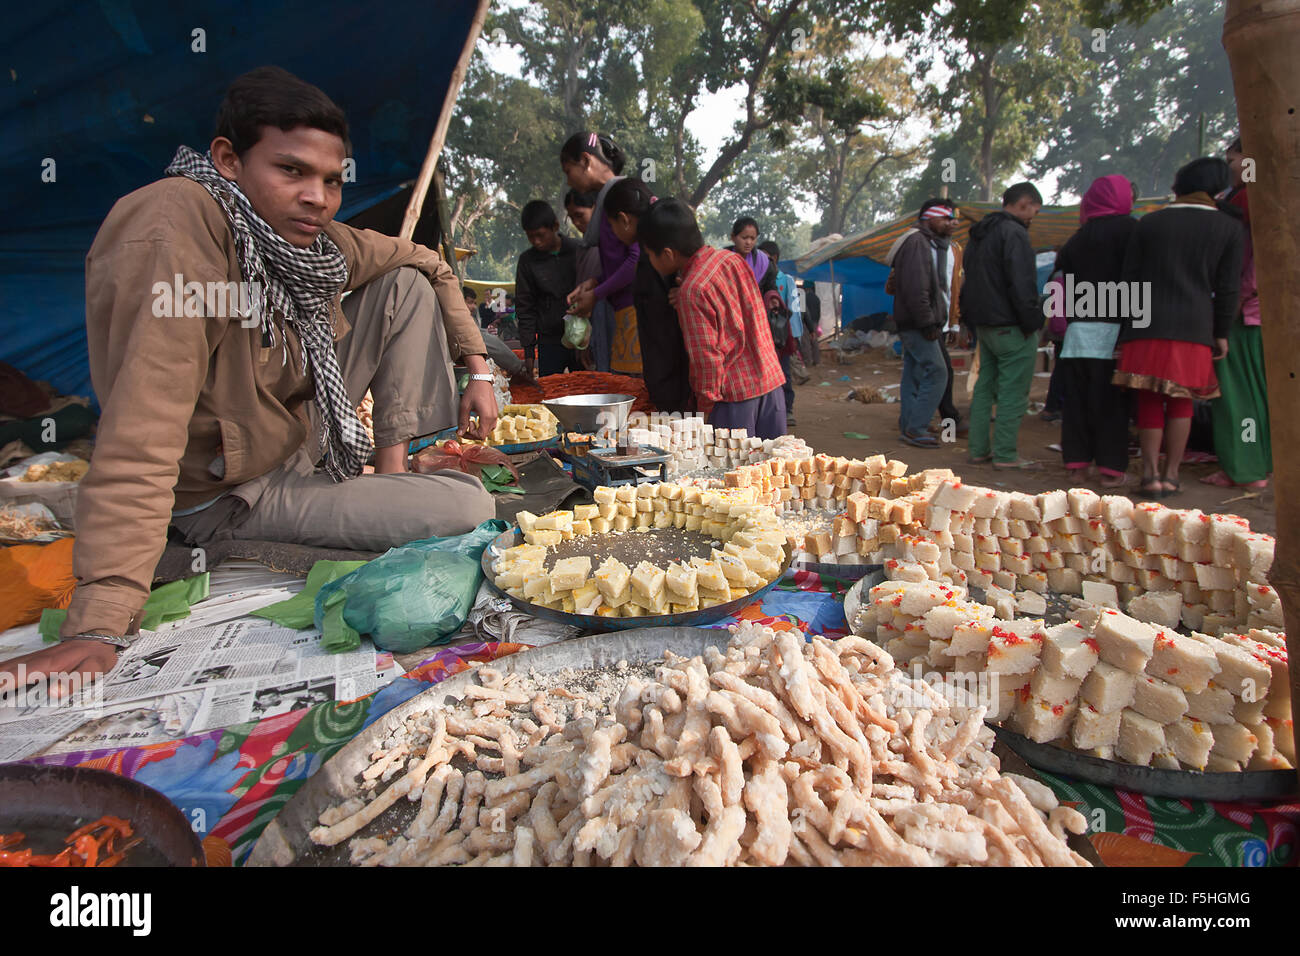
point(99, 95)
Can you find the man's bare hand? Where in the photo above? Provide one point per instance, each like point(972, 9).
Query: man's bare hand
point(89, 660)
point(480, 400)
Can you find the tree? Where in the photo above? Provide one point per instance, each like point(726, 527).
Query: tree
point(1011, 66)
point(1139, 114)
point(847, 114)
point(758, 186)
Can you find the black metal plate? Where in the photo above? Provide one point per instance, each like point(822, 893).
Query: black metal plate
point(1154, 781)
point(47, 803)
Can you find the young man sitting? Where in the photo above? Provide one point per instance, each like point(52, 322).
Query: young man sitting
point(231, 422)
point(547, 272)
point(734, 370)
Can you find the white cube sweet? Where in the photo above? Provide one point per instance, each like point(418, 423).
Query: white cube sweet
point(1124, 642)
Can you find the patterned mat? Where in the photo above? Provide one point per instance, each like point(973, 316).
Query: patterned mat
point(232, 782)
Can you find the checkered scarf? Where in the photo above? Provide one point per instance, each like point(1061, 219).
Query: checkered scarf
point(300, 286)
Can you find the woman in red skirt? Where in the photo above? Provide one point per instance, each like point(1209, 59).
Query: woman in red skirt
point(1182, 270)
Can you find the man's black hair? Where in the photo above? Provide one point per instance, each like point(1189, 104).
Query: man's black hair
point(1018, 191)
point(1234, 146)
point(1209, 174)
point(271, 96)
point(771, 249)
point(945, 202)
point(538, 214)
point(629, 195)
point(579, 200)
point(469, 293)
point(670, 224)
point(742, 222)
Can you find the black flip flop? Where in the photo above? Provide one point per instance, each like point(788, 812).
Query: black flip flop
point(1144, 491)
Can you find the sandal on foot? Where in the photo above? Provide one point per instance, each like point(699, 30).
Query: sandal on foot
point(1219, 479)
point(981, 460)
point(920, 441)
point(1170, 492)
point(1151, 488)
point(1113, 481)
point(1024, 464)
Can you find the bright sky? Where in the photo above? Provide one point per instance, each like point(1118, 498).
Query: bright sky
point(714, 119)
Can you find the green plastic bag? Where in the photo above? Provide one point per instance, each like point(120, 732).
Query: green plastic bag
point(408, 598)
point(167, 602)
point(577, 332)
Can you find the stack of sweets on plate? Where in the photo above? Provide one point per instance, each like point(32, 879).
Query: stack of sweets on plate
point(1105, 683)
point(1164, 566)
point(879, 510)
point(751, 554)
point(520, 424)
point(1147, 695)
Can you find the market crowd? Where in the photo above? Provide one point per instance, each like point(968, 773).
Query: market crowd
point(723, 333)
point(1154, 320)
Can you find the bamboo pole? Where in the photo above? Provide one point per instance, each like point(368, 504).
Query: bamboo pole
point(1261, 38)
point(421, 189)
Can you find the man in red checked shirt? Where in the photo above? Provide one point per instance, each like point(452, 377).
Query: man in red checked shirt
point(735, 373)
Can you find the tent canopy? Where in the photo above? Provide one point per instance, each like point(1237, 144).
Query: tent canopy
point(1050, 229)
point(102, 94)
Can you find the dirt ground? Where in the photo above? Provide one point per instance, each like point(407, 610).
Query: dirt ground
point(824, 415)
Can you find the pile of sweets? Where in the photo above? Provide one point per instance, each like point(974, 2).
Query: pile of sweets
point(880, 510)
point(692, 442)
point(751, 556)
point(519, 424)
point(775, 751)
point(1104, 683)
point(1162, 565)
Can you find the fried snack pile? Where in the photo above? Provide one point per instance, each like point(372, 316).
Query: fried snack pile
point(775, 752)
point(57, 471)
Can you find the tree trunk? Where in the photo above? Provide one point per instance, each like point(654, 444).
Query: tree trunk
point(1261, 38)
point(986, 139)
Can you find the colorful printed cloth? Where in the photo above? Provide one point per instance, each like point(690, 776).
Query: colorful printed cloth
point(231, 783)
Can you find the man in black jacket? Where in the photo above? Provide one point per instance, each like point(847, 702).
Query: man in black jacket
point(999, 294)
point(545, 276)
point(923, 266)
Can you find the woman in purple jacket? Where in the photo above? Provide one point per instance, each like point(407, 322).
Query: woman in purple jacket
point(592, 163)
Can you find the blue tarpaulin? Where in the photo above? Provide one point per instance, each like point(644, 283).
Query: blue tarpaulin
point(100, 94)
point(863, 285)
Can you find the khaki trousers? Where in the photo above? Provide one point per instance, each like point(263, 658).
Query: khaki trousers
point(396, 349)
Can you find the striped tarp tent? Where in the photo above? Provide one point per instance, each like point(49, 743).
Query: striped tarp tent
point(1051, 227)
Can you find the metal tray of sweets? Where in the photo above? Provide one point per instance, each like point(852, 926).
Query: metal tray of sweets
point(659, 546)
point(285, 841)
point(1153, 781)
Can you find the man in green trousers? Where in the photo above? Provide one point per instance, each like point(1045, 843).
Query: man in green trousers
point(999, 297)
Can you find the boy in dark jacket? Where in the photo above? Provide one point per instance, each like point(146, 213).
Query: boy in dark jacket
point(999, 294)
point(545, 276)
point(923, 271)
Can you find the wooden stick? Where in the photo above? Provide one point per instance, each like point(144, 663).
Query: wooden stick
point(421, 188)
point(1260, 37)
